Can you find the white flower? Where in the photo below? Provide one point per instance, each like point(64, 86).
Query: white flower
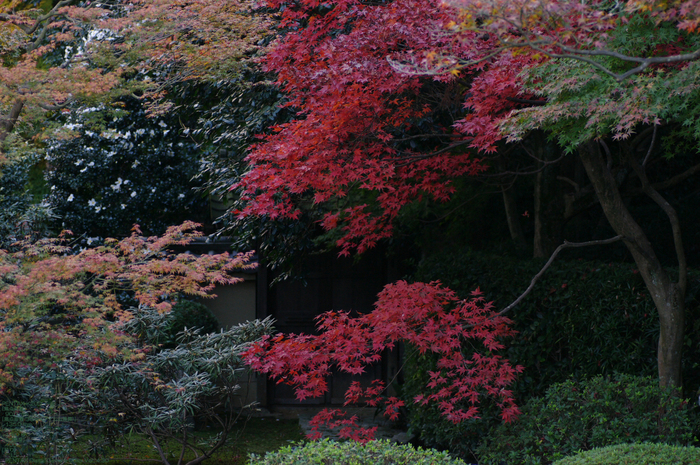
point(92, 202)
point(79, 162)
point(97, 209)
point(117, 185)
point(140, 132)
point(92, 163)
point(123, 206)
point(181, 196)
point(135, 164)
point(53, 188)
point(133, 193)
point(153, 191)
point(84, 169)
point(162, 124)
point(70, 198)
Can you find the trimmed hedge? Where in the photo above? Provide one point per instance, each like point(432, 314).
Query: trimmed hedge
point(575, 416)
point(635, 454)
point(354, 453)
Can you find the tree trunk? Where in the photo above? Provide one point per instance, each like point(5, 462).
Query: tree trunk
point(8, 124)
point(516, 231)
point(668, 297)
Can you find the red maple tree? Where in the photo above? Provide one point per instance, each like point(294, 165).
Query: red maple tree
point(428, 317)
point(586, 73)
point(357, 117)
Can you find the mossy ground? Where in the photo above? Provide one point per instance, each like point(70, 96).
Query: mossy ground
point(257, 435)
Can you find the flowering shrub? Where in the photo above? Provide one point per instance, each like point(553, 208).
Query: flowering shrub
point(130, 169)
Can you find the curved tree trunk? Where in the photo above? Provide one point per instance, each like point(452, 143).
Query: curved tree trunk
point(7, 124)
point(668, 296)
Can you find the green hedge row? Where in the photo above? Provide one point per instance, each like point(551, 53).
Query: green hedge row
point(354, 453)
point(636, 454)
point(578, 416)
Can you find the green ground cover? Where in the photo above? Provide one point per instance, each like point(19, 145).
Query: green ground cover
point(260, 435)
point(257, 435)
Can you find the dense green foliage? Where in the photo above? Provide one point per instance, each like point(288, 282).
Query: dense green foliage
point(22, 213)
point(573, 321)
point(635, 454)
point(163, 330)
point(162, 394)
point(354, 453)
point(124, 171)
point(598, 412)
point(232, 115)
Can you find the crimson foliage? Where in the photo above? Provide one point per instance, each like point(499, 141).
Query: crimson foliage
point(431, 318)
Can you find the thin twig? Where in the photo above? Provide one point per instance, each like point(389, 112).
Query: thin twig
point(565, 245)
point(651, 146)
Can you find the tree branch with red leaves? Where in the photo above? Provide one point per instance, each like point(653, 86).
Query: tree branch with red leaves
point(426, 316)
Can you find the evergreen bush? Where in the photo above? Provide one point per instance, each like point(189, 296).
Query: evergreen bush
point(122, 171)
point(354, 453)
point(635, 454)
point(575, 416)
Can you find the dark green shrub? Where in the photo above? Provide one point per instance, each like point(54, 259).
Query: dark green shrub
point(162, 330)
point(354, 453)
point(575, 416)
point(635, 454)
point(22, 215)
point(124, 171)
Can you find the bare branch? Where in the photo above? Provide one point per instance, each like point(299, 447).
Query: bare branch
point(651, 147)
point(405, 161)
point(55, 107)
point(677, 178)
point(7, 124)
point(424, 136)
point(608, 155)
point(565, 245)
point(577, 188)
point(672, 217)
point(527, 101)
point(641, 60)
